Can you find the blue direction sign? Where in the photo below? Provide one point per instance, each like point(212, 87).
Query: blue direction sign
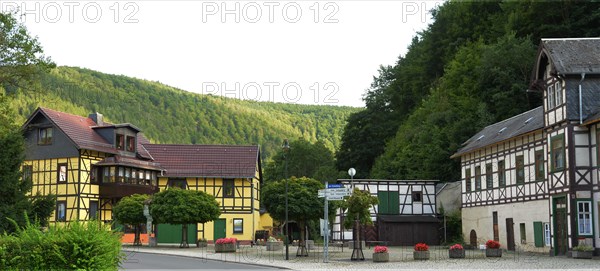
point(335, 185)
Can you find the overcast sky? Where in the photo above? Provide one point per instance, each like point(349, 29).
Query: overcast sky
point(309, 52)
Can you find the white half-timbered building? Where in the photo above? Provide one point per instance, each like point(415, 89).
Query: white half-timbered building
point(405, 215)
point(531, 181)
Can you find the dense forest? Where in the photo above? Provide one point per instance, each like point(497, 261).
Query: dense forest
point(470, 68)
point(169, 115)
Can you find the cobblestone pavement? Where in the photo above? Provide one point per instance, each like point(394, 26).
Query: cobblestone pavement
point(400, 258)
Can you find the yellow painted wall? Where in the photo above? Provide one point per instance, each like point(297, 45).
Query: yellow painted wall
point(243, 187)
point(77, 197)
point(266, 222)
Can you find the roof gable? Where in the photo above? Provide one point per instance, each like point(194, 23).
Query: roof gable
point(518, 125)
point(572, 55)
point(80, 130)
point(222, 161)
point(77, 129)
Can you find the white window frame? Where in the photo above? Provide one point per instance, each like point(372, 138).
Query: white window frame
point(550, 96)
point(584, 219)
point(547, 239)
point(558, 93)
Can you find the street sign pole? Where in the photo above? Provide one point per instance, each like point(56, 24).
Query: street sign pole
point(326, 237)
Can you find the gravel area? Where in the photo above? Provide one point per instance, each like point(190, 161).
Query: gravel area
point(400, 258)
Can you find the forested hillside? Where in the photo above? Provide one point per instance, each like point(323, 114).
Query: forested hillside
point(169, 115)
point(470, 68)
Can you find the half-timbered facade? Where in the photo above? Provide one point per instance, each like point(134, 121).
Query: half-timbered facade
point(90, 164)
point(86, 163)
point(405, 215)
point(531, 181)
point(230, 173)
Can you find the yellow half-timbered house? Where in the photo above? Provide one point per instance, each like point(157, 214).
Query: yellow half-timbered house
point(91, 164)
point(87, 163)
point(230, 173)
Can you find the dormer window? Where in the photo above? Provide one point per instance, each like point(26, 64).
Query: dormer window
point(120, 142)
point(45, 136)
point(130, 144)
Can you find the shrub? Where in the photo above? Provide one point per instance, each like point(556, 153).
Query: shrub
point(75, 245)
point(456, 247)
point(381, 249)
point(492, 244)
point(421, 247)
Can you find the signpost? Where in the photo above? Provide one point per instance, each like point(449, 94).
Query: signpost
point(333, 191)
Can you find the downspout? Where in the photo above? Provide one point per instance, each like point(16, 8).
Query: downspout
point(580, 103)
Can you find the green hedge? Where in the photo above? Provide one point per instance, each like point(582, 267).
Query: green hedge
point(75, 245)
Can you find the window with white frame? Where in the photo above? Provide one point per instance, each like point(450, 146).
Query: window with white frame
point(550, 97)
point(584, 218)
point(557, 144)
point(558, 93)
point(547, 234)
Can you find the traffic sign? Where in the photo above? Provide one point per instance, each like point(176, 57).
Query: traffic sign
point(343, 189)
point(335, 198)
point(335, 185)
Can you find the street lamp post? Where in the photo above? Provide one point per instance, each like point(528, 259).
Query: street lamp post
point(351, 172)
point(286, 149)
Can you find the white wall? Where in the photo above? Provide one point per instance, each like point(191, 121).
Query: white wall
point(480, 220)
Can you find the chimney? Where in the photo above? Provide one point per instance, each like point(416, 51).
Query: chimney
point(97, 118)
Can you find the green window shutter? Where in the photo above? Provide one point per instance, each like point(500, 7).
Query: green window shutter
point(383, 202)
point(538, 233)
point(393, 205)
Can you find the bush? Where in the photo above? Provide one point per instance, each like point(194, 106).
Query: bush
point(76, 245)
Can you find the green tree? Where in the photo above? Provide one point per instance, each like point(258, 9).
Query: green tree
point(177, 206)
point(14, 203)
point(21, 56)
point(303, 203)
point(304, 159)
point(130, 210)
point(357, 207)
point(483, 84)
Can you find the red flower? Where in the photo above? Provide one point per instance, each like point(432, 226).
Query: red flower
point(421, 247)
point(456, 247)
point(381, 249)
point(492, 244)
point(226, 241)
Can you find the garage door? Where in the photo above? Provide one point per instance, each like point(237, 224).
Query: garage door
point(171, 234)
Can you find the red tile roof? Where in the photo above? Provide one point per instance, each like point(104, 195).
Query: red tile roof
point(226, 161)
point(79, 130)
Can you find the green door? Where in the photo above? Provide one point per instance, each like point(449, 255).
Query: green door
point(171, 234)
point(219, 229)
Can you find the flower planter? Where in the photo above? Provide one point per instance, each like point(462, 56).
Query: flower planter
point(381, 257)
point(201, 244)
point(456, 253)
point(493, 252)
point(421, 255)
point(275, 246)
point(229, 247)
point(582, 254)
